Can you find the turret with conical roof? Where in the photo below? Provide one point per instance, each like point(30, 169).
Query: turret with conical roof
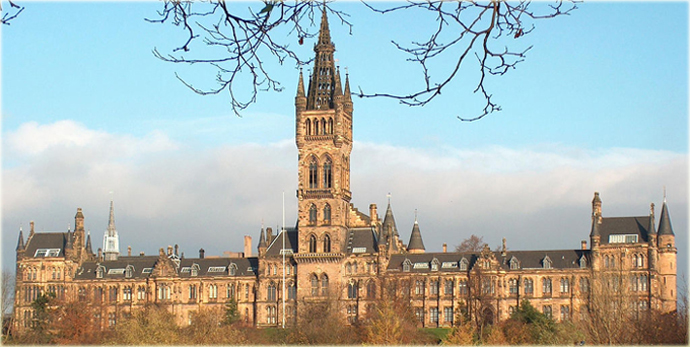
point(20, 242)
point(262, 243)
point(667, 265)
point(89, 249)
point(666, 235)
point(416, 245)
point(595, 235)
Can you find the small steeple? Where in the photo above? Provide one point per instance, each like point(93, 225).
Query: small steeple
point(416, 245)
point(300, 85)
point(665, 221)
point(262, 239)
point(389, 226)
point(20, 242)
point(347, 94)
point(338, 87)
point(111, 242)
point(89, 249)
point(322, 80)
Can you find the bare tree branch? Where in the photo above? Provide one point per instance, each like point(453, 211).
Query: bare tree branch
point(11, 14)
point(469, 27)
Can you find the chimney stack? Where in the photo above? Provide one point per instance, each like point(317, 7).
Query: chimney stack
point(445, 248)
point(247, 246)
point(129, 251)
point(31, 232)
point(201, 253)
point(169, 250)
point(269, 235)
point(583, 245)
point(141, 254)
point(373, 214)
point(100, 254)
point(176, 249)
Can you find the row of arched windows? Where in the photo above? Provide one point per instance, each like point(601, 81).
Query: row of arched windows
point(638, 260)
point(327, 176)
point(313, 214)
point(319, 127)
point(319, 285)
point(326, 244)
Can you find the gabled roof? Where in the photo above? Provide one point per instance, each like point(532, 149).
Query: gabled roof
point(51, 240)
point(624, 225)
point(560, 259)
point(277, 242)
point(245, 266)
point(88, 269)
point(361, 240)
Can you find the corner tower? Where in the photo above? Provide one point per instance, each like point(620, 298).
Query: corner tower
point(324, 141)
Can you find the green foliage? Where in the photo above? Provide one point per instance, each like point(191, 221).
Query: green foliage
point(231, 314)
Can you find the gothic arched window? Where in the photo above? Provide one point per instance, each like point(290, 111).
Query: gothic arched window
point(352, 290)
point(327, 214)
point(326, 244)
point(312, 244)
point(312, 214)
point(324, 285)
point(313, 173)
point(308, 127)
point(271, 294)
point(328, 174)
point(315, 123)
point(330, 125)
point(314, 285)
point(323, 126)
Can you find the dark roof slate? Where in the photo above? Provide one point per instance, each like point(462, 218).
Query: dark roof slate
point(46, 240)
point(624, 225)
point(277, 242)
point(665, 221)
point(362, 240)
point(416, 242)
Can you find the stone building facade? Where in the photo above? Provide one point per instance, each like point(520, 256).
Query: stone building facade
point(336, 252)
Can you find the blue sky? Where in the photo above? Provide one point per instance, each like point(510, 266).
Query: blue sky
point(600, 103)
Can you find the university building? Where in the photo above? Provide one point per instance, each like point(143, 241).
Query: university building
point(337, 252)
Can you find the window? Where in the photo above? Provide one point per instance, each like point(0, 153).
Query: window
point(312, 214)
point(312, 243)
point(327, 245)
point(463, 264)
point(127, 294)
point(352, 291)
point(100, 271)
point(607, 264)
point(546, 309)
point(246, 315)
point(327, 214)
point(583, 262)
point(514, 264)
point(271, 292)
point(640, 263)
point(314, 285)
point(448, 287)
point(212, 291)
point(47, 252)
point(330, 125)
point(584, 285)
point(529, 286)
point(246, 292)
point(433, 315)
point(462, 287)
point(271, 317)
point(307, 125)
point(230, 293)
point(354, 267)
point(348, 268)
point(513, 286)
point(327, 174)
point(433, 287)
point(488, 286)
point(643, 283)
point(351, 313)
point(565, 313)
point(233, 269)
point(141, 293)
point(112, 294)
point(192, 292)
point(163, 292)
point(313, 173)
point(419, 287)
point(292, 291)
point(111, 319)
point(434, 264)
point(448, 315)
point(323, 126)
point(324, 285)
point(419, 314)
point(195, 270)
point(546, 286)
point(371, 290)
point(565, 285)
point(129, 271)
point(546, 263)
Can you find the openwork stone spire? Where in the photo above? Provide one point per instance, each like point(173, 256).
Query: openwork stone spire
point(322, 81)
point(111, 246)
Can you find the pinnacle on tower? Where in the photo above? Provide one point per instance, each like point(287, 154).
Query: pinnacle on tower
point(665, 221)
point(322, 84)
point(89, 249)
point(20, 242)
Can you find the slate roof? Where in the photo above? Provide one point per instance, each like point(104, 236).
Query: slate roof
point(277, 242)
point(245, 267)
point(624, 225)
point(560, 259)
point(362, 240)
point(46, 240)
point(665, 222)
point(416, 242)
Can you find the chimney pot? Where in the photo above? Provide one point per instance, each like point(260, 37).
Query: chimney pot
point(583, 245)
point(141, 254)
point(170, 249)
point(201, 253)
point(176, 248)
point(129, 251)
point(445, 248)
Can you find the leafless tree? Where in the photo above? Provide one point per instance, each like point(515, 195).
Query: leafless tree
point(7, 292)
point(472, 244)
point(244, 41)
point(9, 14)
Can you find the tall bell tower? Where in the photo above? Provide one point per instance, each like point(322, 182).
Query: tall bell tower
point(324, 140)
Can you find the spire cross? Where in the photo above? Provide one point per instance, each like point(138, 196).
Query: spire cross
point(389, 198)
point(346, 71)
point(664, 193)
point(415, 216)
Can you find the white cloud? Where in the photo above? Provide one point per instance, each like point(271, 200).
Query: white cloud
point(166, 194)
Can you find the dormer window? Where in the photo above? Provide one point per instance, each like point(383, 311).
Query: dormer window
point(195, 270)
point(407, 264)
point(100, 271)
point(464, 264)
point(583, 262)
point(514, 263)
point(546, 263)
point(434, 264)
point(129, 271)
point(233, 269)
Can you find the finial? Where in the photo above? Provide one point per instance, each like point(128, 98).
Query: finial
point(664, 194)
point(346, 71)
point(415, 216)
point(389, 198)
